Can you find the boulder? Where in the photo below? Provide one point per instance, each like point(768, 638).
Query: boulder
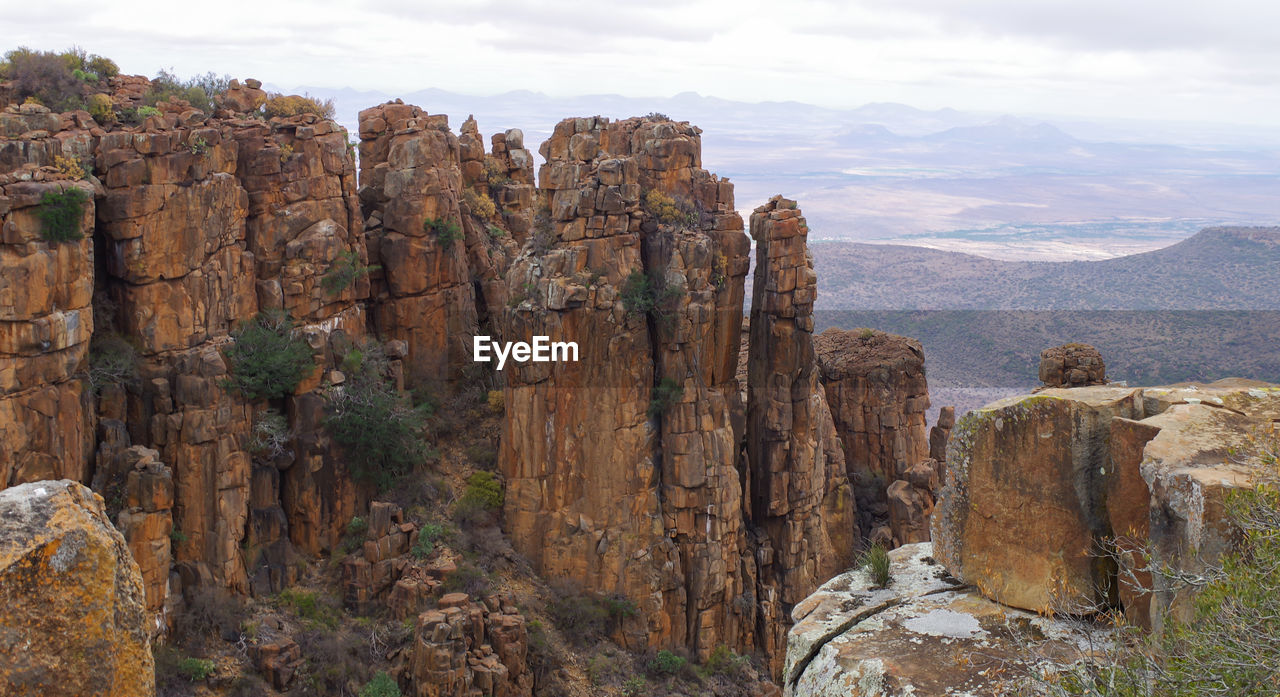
point(1072, 365)
point(73, 617)
point(1024, 503)
point(924, 634)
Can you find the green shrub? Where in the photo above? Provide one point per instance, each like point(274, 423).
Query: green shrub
point(425, 545)
point(353, 535)
point(644, 294)
point(47, 77)
point(380, 432)
point(446, 231)
point(136, 115)
point(196, 669)
point(293, 104)
point(382, 685)
point(61, 213)
point(723, 661)
point(866, 333)
point(484, 489)
point(112, 360)
point(344, 271)
point(306, 605)
point(667, 663)
point(664, 394)
point(101, 108)
point(267, 359)
point(876, 562)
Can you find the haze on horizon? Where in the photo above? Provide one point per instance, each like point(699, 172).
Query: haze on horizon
point(1168, 60)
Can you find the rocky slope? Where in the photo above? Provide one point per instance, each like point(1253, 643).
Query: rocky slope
point(1052, 504)
point(697, 483)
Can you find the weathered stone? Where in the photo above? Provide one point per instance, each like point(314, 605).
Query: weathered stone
point(1025, 497)
point(921, 635)
point(72, 605)
point(875, 384)
point(1072, 365)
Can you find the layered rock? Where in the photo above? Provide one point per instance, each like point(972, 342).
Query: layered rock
point(875, 384)
point(46, 322)
point(1072, 365)
point(924, 634)
point(911, 501)
point(470, 647)
point(73, 617)
point(1046, 494)
point(620, 467)
point(410, 186)
point(147, 523)
point(800, 495)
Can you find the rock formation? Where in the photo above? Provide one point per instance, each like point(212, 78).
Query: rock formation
point(1039, 487)
point(800, 493)
point(875, 384)
point(1072, 365)
point(939, 435)
point(73, 617)
point(923, 634)
point(640, 261)
point(470, 647)
point(441, 271)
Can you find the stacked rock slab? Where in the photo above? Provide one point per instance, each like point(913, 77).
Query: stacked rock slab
point(800, 495)
point(410, 184)
point(611, 482)
point(875, 384)
point(466, 647)
point(1038, 487)
point(73, 617)
point(46, 321)
point(147, 523)
point(1072, 365)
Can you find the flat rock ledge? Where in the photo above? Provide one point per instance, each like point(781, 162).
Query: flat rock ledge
point(924, 634)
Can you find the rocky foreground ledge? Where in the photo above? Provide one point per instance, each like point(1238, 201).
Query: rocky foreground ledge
point(1051, 503)
point(926, 633)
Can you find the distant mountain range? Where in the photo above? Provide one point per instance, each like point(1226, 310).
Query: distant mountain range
point(991, 184)
point(1202, 309)
point(1216, 269)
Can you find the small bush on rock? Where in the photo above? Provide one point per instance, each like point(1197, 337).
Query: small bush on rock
point(293, 104)
point(446, 231)
point(876, 562)
point(382, 685)
point(267, 358)
point(380, 432)
point(61, 213)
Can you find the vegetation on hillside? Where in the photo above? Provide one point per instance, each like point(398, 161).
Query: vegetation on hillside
point(267, 358)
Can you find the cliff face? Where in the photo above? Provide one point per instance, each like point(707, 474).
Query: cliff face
point(655, 468)
point(621, 467)
point(875, 384)
point(442, 271)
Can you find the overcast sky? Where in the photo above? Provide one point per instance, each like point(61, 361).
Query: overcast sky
point(1171, 59)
